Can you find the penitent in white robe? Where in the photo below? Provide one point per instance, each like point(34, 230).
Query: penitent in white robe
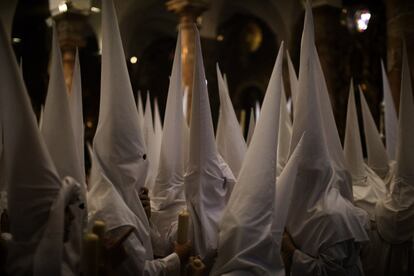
point(341, 259)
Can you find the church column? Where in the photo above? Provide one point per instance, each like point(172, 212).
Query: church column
point(188, 12)
point(400, 22)
point(70, 27)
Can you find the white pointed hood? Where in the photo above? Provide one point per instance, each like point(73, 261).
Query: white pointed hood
point(208, 180)
point(157, 132)
point(58, 134)
point(395, 214)
point(169, 184)
point(229, 138)
point(377, 155)
point(246, 229)
point(293, 79)
point(34, 197)
point(368, 187)
point(319, 216)
point(285, 133)
point(57, 127)
point(168, 193)
point(352, 143)
point(75, 105)
point(405, 143)
point(390, 116)
point(120, 164)
point(252, 125)
point(149, 137)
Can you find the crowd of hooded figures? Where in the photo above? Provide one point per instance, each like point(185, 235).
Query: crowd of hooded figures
point(173, 199)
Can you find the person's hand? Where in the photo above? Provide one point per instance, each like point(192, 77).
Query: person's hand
point(183, 251)
point(287, 243)
point(288, 248)
point(145, 201)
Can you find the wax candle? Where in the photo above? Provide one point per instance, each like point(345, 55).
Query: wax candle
point(183, 222)
point(90, 262)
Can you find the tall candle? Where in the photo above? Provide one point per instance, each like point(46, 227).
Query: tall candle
point(183, 222)
point(98, 229)
point(90, 261)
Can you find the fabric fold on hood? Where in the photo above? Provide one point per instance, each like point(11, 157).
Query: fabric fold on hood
point(285, 133)
point(208, 180)
point(252, 125)
point(293, 79)
point(229, 138)
point(75, 105)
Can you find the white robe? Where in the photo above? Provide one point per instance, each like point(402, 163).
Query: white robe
point(135, 264)
point(341, 259)
point(382, 258)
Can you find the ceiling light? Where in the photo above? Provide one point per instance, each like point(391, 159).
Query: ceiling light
point(133, 59)
point(95, 9)
point(63, 7)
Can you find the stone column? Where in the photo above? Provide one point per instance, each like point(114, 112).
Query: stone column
point(188, 12)
point(400, 22)
point(70, 28)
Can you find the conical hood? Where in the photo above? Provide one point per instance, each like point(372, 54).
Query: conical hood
point(352, 143)
point(243, 236)
point(230, 141)
point(170, 179)
point(33, 180)
point(390, 116)
point(252, 125)
point(168, 193)
point(308, 111)
point(62, 143)
point(157, 130)
point(149, 137)
point(293, 79)
point(75, 105)
point(57, 128)
point(119, 150)
point(319, 183)
point(330, 131)
point(377, 155)
point(208, 180)
point(285, 133)
point(405, 143)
